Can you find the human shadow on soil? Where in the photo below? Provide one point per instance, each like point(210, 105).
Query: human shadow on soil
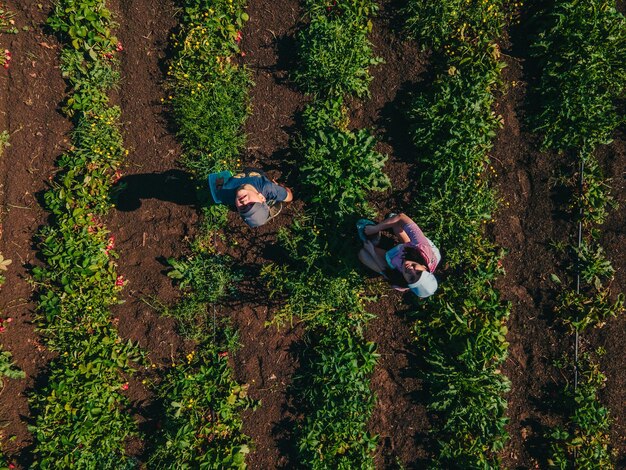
point(175, 186)
point(287, 52)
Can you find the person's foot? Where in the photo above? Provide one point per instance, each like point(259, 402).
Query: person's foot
point(360, 226)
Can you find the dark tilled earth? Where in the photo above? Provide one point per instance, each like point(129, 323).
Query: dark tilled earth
point(164, 219)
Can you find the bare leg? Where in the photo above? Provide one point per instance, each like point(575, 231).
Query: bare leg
point(367, 260)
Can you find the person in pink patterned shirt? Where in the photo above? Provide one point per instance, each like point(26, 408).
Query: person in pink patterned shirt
point(409, 265)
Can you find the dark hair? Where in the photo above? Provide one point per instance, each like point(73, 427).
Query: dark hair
point(395, 277)
point(410, 253)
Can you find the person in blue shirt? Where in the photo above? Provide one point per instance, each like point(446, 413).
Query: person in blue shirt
point(252, 194)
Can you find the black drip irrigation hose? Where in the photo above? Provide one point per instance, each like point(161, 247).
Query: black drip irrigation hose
point(580, 237)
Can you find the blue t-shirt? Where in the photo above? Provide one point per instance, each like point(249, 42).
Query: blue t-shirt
point(270, 190)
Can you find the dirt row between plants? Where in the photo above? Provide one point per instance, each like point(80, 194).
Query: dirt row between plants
point(30, 93)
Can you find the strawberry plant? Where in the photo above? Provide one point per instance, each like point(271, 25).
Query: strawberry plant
point(81, 417)
point(87, 25)
point(8, 368)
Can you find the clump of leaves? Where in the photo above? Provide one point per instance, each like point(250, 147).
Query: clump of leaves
point(581, 53)
point(4, 141)
point(202, 425)
point(209, 278)
point(334, 395)
point(584, 441)
point(435, 24)
point(8, 368)
point(333, 302)
point(335, 56)
point(340, 169)
point(4, 266)
point(7, 23)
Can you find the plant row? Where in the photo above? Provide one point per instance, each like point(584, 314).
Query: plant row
point(337, 167)
point(208, 102)
point(462, 329)
point(582, 53)
point(81, 417)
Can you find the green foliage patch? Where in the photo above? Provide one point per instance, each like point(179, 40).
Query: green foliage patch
point(582, 55)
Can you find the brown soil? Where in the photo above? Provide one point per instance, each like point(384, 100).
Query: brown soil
point(157, 217)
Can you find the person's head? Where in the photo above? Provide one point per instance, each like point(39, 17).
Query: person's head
point(251, 205)
point(417, 274)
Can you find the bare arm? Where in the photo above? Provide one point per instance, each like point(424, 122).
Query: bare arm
point(396, 223)
point(289, 197)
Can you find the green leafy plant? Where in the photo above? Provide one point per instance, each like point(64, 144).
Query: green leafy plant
point(206, 280)
point(210, 277)
point(584, 442)
point(8, 368)
point(87, 25)
point(593, 201)
point(202, 426)
point(581, 53)
point(334, 395)
point(340, 169)
point(593, 266)
point(321, 301)
point(4, 266)
point(438, 24)
point(4, 141)
point(7, 23)
point(335, 55)
point(581, 310)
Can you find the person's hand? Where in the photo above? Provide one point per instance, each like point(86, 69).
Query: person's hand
point(369, 230)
